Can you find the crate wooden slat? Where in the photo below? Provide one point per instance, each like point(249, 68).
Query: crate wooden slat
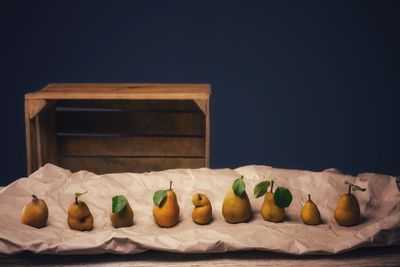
point(118, 127)
point(133, 123)
point(122, 91)
point(128, 164)
point(132, 105)
point(131, 146)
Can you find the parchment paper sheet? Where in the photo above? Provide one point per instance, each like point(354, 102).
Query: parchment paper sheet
point(380, 208)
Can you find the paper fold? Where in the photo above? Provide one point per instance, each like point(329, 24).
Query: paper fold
point(380, 207)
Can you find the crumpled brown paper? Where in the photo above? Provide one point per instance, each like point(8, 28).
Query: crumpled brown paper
point(380, 208)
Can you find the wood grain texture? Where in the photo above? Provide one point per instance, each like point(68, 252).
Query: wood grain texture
point(174, 116)
point(122, 91)
point(383, 256)
point(35, 106)
point(30, 139)
point(131, 105)
point(47, 135)
point(101, 165)
point(207, 144)
point(132, 146)
point(132, 123)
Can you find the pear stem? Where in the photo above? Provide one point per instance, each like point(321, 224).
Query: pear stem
point(272, 185)
point(170, 185)
point(309, 197)
point(35, 197)
point(76, 200)
point(349, 192)
point(199, 197)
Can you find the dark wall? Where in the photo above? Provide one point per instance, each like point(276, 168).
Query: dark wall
point(298, 84)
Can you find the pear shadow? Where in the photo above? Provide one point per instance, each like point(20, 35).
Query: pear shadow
point(246, 221)
point(177, 223)
point(363, 219)
point(285, 218)
point(166, 227)
point(250, 218)
point(210, 222)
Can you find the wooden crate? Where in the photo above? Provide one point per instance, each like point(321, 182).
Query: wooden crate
point(108, 128)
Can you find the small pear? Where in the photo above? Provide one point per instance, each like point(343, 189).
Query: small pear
point(347, 212)
point(167, 213)
point(202, 211)
point(123, 217)
point(35, 213)
point(79, 216)
point(309, 213)
point(236, 208)
point(269, 210)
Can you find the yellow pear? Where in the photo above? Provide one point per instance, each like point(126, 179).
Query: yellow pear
point(236, 209)
point(35, 213)
point(310, 213)
point(270, 211)
point(167, 214)
point(202, 211)
point(124, 217)
point(347, 212)
point(79, 216)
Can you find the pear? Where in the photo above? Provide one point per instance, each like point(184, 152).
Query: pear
point(35, 213)
point(121, 217)
point(79, 216)
point(347, 212)
point(269, 210)
point(166, 214)
point(236, 208)
point(202, 211)
point(309, 213)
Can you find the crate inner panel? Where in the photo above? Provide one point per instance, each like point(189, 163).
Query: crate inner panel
point(107, 136)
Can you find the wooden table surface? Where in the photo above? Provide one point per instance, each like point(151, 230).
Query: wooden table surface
point(382, 256)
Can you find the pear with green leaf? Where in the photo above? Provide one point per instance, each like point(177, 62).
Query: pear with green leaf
point(347, 212)
point(236, 207)
point(273, 207)
point(166, 208)
point(122, 213)
point(79, 216)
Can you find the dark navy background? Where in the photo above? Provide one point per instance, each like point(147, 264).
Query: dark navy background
point(296, 84)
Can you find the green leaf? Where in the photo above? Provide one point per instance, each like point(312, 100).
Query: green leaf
point(80, 194)
point(118, 203)
point(357, 188)
point(282, 197)
point(77, 195)
point(239, 186)
point(159, 197)
point(261, 188)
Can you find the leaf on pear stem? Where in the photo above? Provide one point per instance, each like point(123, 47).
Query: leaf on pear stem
point(80, 194)
point(283, 198)
point(239, 186)
point(77, 195)
point(355, 187)
point(118, 203)
point(261, 188)
point(159, 197)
